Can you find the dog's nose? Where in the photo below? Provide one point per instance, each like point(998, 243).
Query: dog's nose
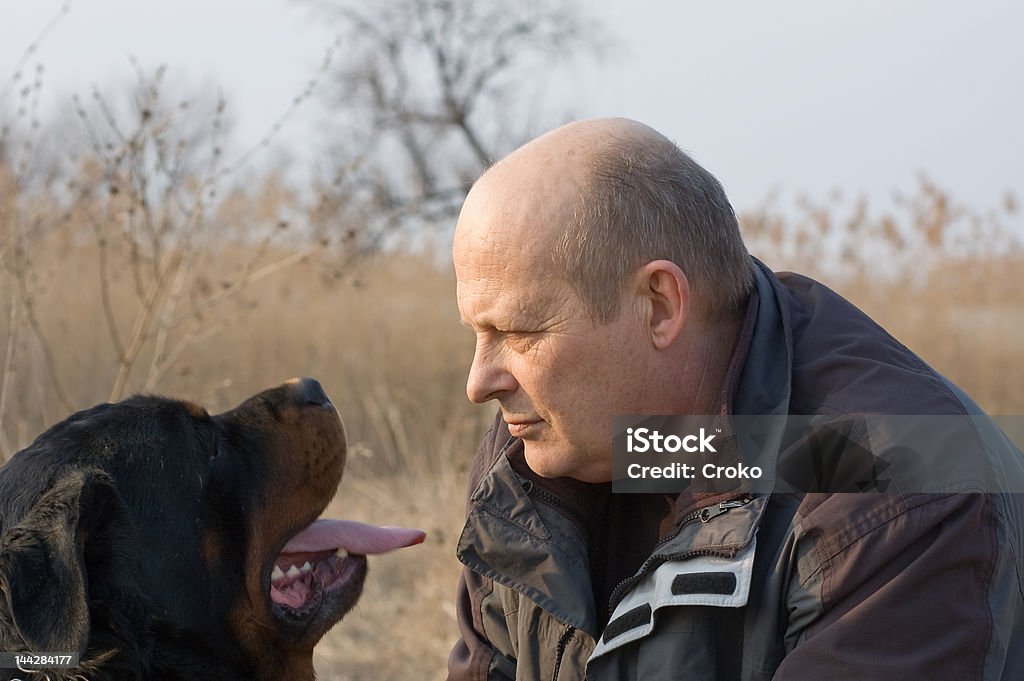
point(309, 391)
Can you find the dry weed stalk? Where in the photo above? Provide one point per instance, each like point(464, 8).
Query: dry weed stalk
point(146, 181)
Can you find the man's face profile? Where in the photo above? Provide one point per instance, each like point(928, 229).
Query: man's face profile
point(558, 376)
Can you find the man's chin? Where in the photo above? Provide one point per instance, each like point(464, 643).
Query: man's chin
point(549, 461)
point(543, 460)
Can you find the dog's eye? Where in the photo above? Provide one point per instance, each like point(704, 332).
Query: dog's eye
point(217, 449)
point(271, 407)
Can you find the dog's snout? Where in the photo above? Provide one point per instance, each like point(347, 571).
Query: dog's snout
point(309, 391)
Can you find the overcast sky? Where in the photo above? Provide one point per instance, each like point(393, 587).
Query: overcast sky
point(796, 95)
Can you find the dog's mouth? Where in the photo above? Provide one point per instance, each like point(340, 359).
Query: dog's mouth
point(319, 573)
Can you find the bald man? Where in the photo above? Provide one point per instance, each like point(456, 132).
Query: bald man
point(603, 273)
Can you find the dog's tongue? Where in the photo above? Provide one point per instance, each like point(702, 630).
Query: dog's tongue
point(326, 535)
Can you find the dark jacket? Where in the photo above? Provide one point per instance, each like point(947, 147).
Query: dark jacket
point(918, 582)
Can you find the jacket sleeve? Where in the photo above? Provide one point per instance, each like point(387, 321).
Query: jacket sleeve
point(890, 586)
point(473, 657)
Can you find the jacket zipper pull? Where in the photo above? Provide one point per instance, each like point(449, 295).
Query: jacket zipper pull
point(710, 512)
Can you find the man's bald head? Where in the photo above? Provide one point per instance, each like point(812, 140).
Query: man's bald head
point(579, 144)
point(596, 199)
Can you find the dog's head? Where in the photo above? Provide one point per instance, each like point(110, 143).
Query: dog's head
point(148, 535)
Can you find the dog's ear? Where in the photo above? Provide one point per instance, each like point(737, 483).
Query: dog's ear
point(42, 576)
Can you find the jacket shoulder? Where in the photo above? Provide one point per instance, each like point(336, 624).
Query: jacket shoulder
point(845, 362)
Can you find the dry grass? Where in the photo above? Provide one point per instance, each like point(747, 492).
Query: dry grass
point(385, 341)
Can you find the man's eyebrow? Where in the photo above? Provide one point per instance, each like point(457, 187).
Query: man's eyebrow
point(477, 326)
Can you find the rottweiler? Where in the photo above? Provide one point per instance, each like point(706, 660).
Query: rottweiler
point(159, 542)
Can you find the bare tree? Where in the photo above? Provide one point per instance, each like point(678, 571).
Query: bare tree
point(433, 91)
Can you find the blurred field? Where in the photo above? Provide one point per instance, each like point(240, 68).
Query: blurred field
point(382, 335)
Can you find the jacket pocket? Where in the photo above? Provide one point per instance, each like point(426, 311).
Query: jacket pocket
point(501, 668)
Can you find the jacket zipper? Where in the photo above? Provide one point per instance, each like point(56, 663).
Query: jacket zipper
point(706, 514)
point(703, 515)
point(563, 641)
point(574, 517)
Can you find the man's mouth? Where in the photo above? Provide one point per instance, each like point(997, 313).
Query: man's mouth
point(521, 427)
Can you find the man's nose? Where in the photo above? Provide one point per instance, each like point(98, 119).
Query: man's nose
point(488, 378)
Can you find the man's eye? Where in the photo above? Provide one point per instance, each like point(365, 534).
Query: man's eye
point(520, 341)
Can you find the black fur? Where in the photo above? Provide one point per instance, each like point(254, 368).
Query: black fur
point(104, 521)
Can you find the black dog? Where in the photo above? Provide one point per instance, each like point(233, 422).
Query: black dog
point(160, 542)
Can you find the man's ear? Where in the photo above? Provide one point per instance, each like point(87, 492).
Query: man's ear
point(42, 578)
point(665, 291)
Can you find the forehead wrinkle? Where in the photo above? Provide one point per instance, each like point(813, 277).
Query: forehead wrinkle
point(520, 303)
point(501, 251)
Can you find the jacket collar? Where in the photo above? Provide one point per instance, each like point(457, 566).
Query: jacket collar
point(764, 385)
point(529, 548)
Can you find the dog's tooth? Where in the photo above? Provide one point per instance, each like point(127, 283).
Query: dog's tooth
point(278, 573)
point(306, 567)
point(341, 553)
point(293, 571)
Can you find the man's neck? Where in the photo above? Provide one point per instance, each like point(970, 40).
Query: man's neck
point(708, 353)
